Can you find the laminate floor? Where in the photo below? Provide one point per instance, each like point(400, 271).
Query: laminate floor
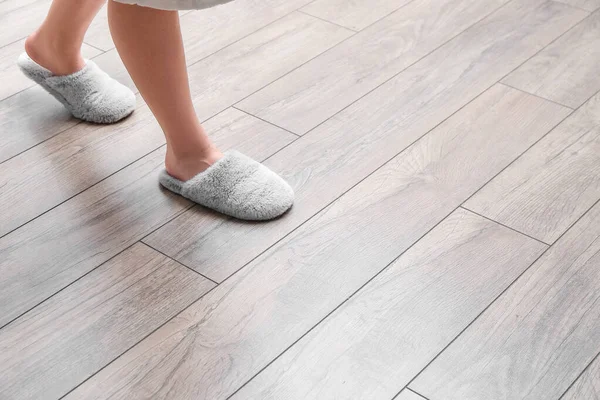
point(444, 244)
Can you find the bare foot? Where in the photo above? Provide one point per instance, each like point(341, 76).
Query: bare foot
point(186, 167)
point(52, 55)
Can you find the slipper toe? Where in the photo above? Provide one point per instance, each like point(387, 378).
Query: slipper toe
point(237, 186)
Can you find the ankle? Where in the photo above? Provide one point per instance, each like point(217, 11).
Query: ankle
point(57, 56)
point(184, 165)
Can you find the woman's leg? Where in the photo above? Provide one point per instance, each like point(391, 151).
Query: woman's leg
point(56, 45)
point(149, 43)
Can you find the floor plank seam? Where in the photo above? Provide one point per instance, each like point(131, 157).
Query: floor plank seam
point(579, 376)
point(501, 224)
point(495, 299)
point(417, 393)
point(13, 42)
point(326, 20)
point(98, 48)
point(574, 6)
point(267, 122)
point(64, 288)
point(344, 301)
point(78, 193)
point(535, 95)
point(301, 9)
point(387, 80)
point(172, 259)
point(519, 156)
point(43, 141)
point(548, 45)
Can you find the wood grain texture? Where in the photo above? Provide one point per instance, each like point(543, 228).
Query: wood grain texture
point(587, 386)
point(408, 395)
point(207, 31)
point(567, 70)
point(553, 184)
point(533, 341)
point(20, 131)
point(379, 340)
point(48, 253)
point(18, 18)
point(221, 341)
point(329, 160)
point(13, 80)
point(257, 60)
point(89, 153)
point(56, 346)
point(353, 14)
point(590, 5)
point(68, 163)
point(319, 89)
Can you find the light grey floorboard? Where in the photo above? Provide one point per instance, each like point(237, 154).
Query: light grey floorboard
point(319, 89)
point(590, 5)
point(535, 340)
point(248, 320)
point(57, 345)
point(553, 184)
point(587, 386)
point(372, 346)
point(566, 71)
point(29, 118)
point(353, 14)
point(18, 18)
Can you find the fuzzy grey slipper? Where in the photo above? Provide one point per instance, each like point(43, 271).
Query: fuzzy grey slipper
point(89, 94)
point(238, 186)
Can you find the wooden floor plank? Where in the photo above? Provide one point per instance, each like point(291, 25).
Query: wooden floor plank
point(319, 89)
point(213, 347)
point(207, 31)
point(552, 185)
point(328, 161)
point(590, 5)
point(68, 163)
point(587, 386)
point(13, 80)
point(567, 70)
point(56, 346)
point(239, 70)
point(373, 345)
point(353, 14)
point(29, 118)
point(535, 340)
point(19, 18)
point(80, 157)
point(50, 252)
point(408, 395)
